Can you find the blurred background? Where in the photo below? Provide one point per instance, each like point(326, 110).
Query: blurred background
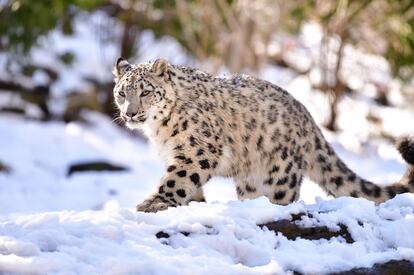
point(349, 62)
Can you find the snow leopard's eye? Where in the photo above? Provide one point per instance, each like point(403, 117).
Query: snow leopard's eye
point(121, 93)
point(145, 93)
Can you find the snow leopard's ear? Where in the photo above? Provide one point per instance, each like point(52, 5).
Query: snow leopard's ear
point(160, 68)
point(121, 67)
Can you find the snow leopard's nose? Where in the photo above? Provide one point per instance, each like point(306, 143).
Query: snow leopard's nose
point(130, 114)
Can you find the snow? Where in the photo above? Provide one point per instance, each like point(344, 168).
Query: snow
point(222, 238)
point(85, 223)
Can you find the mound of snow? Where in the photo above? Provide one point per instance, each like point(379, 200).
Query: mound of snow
point(223, 238)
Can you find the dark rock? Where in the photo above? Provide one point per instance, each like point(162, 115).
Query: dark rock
point(393, 267)
point(4, 168)
point(162, 234)
point(14, 110)
point(94, 166)
point(291, 230)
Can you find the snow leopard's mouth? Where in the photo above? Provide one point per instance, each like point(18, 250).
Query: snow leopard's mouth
point(141, 119)
point(135, 120)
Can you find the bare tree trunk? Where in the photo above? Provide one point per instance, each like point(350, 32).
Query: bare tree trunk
point(338, 89)
point(129, 36)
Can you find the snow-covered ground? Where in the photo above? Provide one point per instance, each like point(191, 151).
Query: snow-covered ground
point(220, 238)
point(85, 223)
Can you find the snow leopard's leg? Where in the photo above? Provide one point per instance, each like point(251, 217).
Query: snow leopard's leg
point(284, 175)
point(280, 187)
point(199, 196)
point(285, 185)
point(181, 184)
point(246, 188)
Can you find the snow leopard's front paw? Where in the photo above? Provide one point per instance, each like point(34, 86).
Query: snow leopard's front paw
point(154, 205)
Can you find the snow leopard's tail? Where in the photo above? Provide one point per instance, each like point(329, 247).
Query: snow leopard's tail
point(329, 171)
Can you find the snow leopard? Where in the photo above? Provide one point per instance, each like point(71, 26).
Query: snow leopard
point(240, 127)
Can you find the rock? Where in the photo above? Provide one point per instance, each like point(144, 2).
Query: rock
point(162, 234)
point(4, 168)
point(94, 166)
point(291, 230)
point(393, 267)
point(14, 110)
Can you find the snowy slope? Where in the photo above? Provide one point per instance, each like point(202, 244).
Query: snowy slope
point(223, 239)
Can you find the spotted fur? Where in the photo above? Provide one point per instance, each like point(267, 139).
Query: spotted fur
point(240, 127)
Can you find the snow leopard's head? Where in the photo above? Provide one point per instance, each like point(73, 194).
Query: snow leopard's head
point(141, 91)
